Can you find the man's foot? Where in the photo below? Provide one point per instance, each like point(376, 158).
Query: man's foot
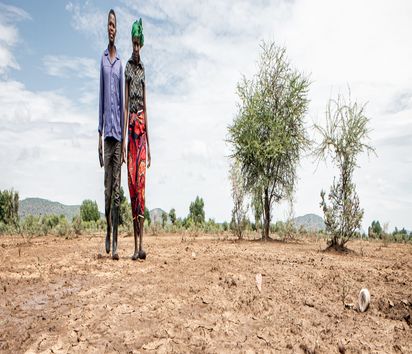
point(135, 256)
point(142, 254)
point(115, 256)
point(107, 242)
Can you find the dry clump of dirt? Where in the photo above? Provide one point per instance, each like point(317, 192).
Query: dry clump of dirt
point(201, 295)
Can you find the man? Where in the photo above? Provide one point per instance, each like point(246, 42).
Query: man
point(111, 127)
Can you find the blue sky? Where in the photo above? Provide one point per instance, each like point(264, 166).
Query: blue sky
point(194, 54)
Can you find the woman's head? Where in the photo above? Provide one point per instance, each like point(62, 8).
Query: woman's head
point(137, 38)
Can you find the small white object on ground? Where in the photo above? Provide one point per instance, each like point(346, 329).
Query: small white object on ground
point(194, 255)
point(259, 281)
point(364, 299)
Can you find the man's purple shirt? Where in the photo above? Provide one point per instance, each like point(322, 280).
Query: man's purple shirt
point(111, 97)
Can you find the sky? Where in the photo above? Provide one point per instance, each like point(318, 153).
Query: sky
point(195, 53)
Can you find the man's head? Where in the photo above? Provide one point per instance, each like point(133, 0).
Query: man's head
point(111, 26)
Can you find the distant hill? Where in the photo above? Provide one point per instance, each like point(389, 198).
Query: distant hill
point(156, 215)
point(310, 222)
point(39, 206)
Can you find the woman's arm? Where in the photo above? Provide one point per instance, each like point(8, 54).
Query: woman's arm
point(147, 127)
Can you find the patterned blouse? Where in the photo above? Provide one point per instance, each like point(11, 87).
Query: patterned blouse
point(134, 74)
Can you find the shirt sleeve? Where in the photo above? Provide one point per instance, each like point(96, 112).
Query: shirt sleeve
point(101, 99)
point(127, 72)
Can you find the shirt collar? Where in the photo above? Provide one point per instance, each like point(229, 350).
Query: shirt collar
point(138, 64)
point(106, 52)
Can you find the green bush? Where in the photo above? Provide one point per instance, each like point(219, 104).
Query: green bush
point(5, 229)
point(77, 225)
point(9, 207)
point(63, 229)
point(101, 224)
point(49, 223)
point(211, 227)
point(90, 225)
point(89, 211)
point(225, 226)
point(147, 216)
point(32, 226)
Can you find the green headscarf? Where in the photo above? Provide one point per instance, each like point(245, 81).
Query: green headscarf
point(137, 31)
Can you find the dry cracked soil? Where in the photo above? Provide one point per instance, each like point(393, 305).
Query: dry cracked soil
point(199, 294)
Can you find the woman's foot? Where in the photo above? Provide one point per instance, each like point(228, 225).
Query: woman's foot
point(142, 254)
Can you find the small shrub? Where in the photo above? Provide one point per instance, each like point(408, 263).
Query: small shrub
point(225, 226)
point(154, 229)
point(5, 229)
point(63, 229)
point(77, 225)
point(32, 226)
point(101, 224)
point(211, 227)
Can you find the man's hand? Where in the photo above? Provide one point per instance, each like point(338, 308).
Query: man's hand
point(100, 151)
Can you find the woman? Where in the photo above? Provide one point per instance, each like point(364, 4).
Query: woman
point(136, 122)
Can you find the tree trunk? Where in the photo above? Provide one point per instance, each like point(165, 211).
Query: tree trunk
point(266, 214)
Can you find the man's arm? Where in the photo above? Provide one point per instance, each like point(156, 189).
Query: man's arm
point(101, 99)
point(101, 110)
point(121, 87)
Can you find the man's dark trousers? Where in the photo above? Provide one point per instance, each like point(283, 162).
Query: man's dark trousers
point(112, 169)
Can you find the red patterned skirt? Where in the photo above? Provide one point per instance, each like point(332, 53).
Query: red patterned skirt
point(136, 163)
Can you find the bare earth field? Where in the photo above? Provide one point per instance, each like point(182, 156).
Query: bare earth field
point(200, 295)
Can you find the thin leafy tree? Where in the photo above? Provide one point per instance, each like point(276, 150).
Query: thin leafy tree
point(197, 211)
point(238, 196)
point(268, 135)
point(343, 139)
point(172, 215)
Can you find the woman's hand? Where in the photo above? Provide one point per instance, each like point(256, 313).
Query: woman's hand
point(148, 158)
point(124, 153)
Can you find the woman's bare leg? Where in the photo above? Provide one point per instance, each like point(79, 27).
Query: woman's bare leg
point(142, 254)
point(136, 235)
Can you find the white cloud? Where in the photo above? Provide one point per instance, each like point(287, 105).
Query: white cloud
point(48, 145)
point(69, 66)
point(19, 105)
point(195, 53)
point(9, 35)
point(10, 12)
point(89, 19)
